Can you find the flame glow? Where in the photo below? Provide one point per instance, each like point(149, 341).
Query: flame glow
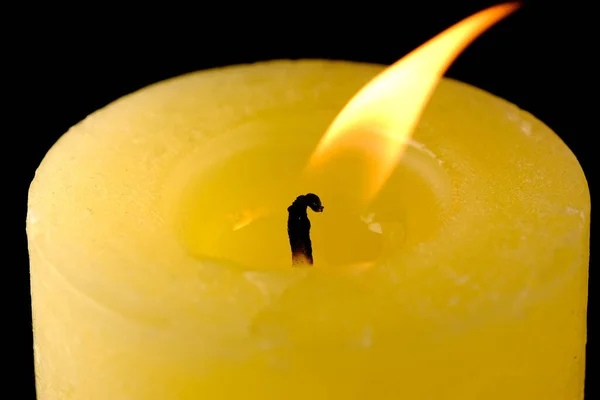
point(380, 118)
point(241, 220)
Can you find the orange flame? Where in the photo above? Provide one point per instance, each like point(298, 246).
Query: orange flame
point(380, 118)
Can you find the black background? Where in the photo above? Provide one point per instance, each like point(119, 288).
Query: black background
point(69, 62)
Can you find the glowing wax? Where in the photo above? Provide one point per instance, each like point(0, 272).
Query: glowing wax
point(160, 267)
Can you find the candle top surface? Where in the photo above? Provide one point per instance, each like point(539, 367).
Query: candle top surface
point(165, 182)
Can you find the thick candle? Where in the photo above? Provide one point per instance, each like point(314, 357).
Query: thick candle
point(161, 268)
point(476, 286)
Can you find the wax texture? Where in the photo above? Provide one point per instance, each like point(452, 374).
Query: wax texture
point(160, 267)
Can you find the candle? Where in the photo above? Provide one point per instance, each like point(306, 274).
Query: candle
point(448, 265)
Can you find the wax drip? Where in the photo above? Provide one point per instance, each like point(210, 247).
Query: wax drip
point(298, 227)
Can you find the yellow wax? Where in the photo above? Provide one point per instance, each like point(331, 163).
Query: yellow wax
point(160, 266)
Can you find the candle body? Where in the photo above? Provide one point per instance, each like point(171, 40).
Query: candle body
point(481, 292)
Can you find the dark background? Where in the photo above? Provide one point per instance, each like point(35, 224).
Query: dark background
point(72, 61)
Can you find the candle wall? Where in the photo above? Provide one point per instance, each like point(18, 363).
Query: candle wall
point(148, 282)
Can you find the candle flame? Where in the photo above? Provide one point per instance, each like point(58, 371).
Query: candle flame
point(380, 118)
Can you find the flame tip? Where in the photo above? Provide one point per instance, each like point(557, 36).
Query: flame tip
point(393, 101)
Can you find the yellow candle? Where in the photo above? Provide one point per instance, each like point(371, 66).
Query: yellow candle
point(161, 269)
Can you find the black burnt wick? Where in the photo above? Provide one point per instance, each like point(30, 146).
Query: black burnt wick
point(299, 227)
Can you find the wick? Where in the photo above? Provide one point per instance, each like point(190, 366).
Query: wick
point(299, 228)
